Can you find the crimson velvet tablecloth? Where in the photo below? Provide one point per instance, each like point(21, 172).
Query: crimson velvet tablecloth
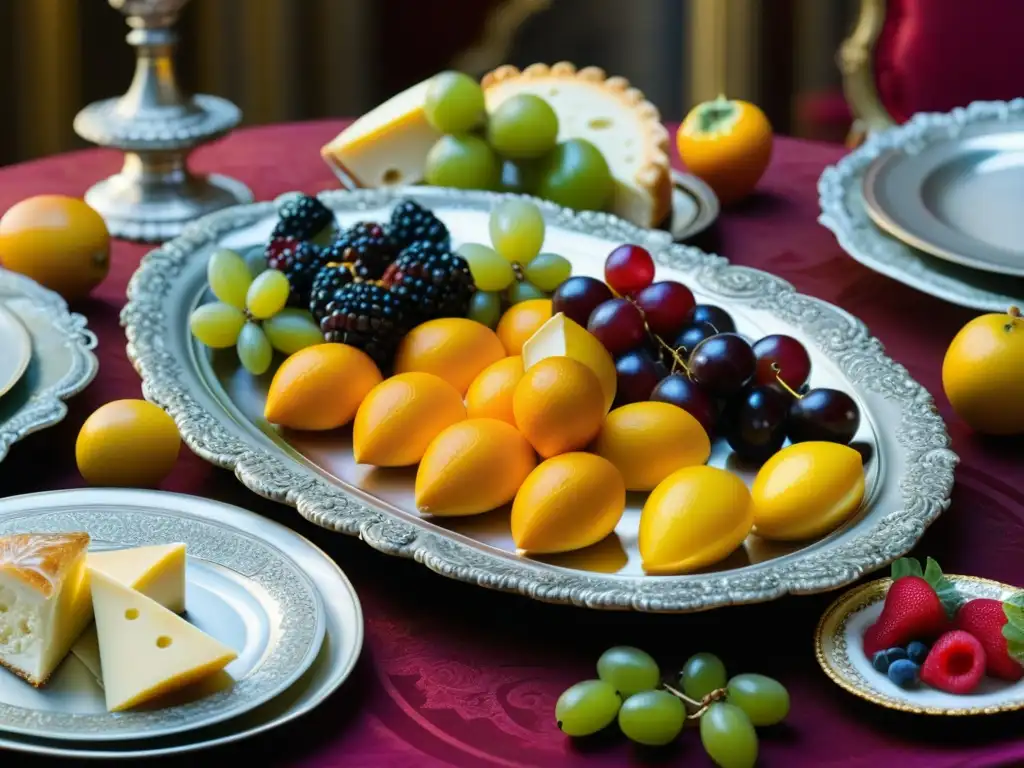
point(454, 675)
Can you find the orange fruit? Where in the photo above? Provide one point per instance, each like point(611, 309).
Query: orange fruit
point(648, 441)
point(130, 443)
point(696, 517)
point(521, 321)
point(400, 416)
point(981, 373)
point(454, 348)
point(472, 467)
point(490, 394)
point(558, 405)
point(568, 502)
point(60, 242)
point(562, 337)
point(728, 144)
point(320, 387)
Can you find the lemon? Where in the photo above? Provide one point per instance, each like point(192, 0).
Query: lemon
point(696, 517)
point(806, 490)
point(558, 405)
point(130, 443)
point(454, 348)
point(568, 502)
point(562, 337)
point(400, 416)
point(490, 394)
point(648, 441)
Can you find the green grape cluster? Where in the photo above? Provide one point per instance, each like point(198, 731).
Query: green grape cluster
point(513, 149)
point(250, 313)
point(629, 689)
point(512, 269)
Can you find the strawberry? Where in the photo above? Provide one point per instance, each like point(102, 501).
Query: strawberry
point(955, 664)
point(999, 627)
point(918, 606)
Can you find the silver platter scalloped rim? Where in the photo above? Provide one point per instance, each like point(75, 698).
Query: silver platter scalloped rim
point(841, 197)
point(916, 443)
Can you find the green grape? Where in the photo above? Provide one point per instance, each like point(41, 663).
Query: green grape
point(454, 103)
point(728, 736)
point(217, 325)
point(576, 175)
point(629, 669)
point(485, 308)
point(490, 271)
point(653, 718)
point(291, 330)
point(587, 707)
point(523, 127)
point(256, 260)
point(548, 271)
point(254, 350)
point(702, 674)
point(764, 699)
point(229, 277)
point(524, 291)
point(517, 230)
point(267, 294)
point(521, 176)
point(464, 162)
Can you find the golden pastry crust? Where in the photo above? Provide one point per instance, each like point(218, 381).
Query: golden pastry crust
point(41, 559)
point(654, 166)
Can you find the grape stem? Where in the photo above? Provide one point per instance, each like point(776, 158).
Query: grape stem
point(677, 359)
point(783, 384)
point(518, 272)
point(700, 706)
point(1015, 317)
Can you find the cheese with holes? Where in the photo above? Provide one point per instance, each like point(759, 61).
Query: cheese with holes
point(156, 571)
point(147, 651)
point(387, 146)
point(44, 600)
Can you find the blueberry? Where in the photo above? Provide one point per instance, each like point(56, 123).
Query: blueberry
point(880, 661)
point(904, 673)
point(895, 654)
point(917, 652)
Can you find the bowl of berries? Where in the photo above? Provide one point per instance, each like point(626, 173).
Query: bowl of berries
point(539, 400)
point(928, 643)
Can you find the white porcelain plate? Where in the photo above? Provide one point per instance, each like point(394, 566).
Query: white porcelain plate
point(838, 647)
point(15, 350)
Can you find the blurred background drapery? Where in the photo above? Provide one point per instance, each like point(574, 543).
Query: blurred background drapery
point(283, 60)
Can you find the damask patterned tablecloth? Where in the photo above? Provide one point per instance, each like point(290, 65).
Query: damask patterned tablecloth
point(453, 675)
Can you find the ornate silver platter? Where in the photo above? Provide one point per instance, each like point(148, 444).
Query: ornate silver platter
point(240, 588)
point(837, 645)
point(62, 362)
point(844, 212)
point(219, 412)
point(338, 653)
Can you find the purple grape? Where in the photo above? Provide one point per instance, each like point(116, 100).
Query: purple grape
point(827, 415)
point(638, 373)
point(678, 390)
point(578, 296)
point(692, 335)
point(716, 316)
point(722, 364)
point(782, 357)
point(757, 423)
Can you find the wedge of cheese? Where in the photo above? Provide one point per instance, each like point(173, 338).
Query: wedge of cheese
point(156, 571)
point(387, 146)
point(147, 651)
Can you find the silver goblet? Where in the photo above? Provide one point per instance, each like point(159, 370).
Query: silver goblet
point(154, 195)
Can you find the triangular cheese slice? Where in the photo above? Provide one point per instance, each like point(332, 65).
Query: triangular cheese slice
point(156, 571)
point(147, 651)
point(44, 600)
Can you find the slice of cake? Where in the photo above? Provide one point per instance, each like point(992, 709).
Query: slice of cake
point(156, 571)
point(147, 651)
point(44, 600)
point(611, 115)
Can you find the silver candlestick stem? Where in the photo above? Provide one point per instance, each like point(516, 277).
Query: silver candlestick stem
point(154, 196)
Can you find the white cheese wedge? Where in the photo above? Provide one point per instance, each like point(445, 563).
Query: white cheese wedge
point(147, 651)
point(387, 146)
point(44, 600)
point(156, 571)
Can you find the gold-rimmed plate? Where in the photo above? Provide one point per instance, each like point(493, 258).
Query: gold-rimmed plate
point(15, 351)
point(837, 644)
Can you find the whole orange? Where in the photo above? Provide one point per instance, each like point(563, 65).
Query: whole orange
point(728, 144)
point(130, 443)
point(58, 241)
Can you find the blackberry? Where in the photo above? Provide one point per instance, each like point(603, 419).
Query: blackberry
point(367, 316)
point(300, 261)
point(367, 246)
point(328, 281)
point(431, 281)
point(411, 223)
point(303, 218)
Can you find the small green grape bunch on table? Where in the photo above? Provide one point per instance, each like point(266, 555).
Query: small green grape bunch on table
point(629, 688)
point(250, 313)
point(512, 269)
